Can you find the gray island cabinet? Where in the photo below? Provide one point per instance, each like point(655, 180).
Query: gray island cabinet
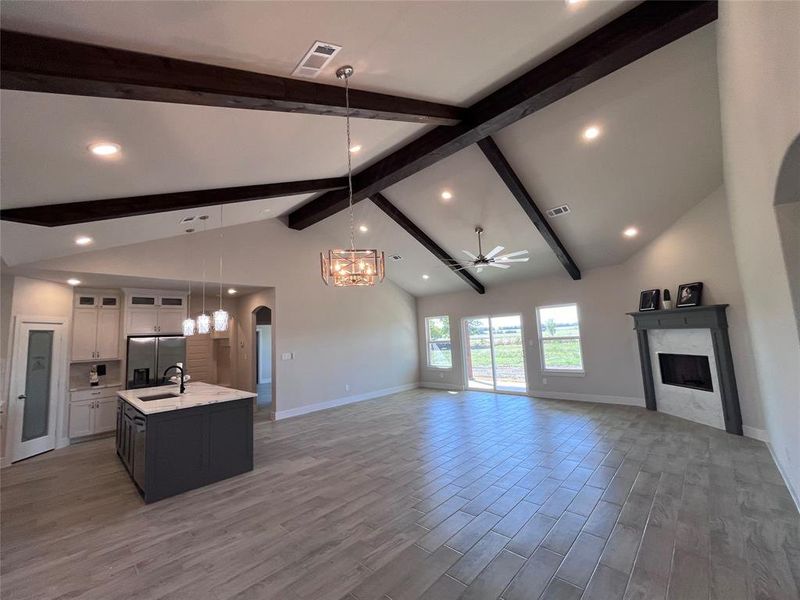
point(172, 443)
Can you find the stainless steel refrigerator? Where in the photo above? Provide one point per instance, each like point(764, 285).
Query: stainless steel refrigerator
point(149, 356)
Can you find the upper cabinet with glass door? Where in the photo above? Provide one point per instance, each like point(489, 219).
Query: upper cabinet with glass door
point(95, 326)
point(154, 312)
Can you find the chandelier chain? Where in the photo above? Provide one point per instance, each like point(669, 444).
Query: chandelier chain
point(349, 163)
point(220, 255)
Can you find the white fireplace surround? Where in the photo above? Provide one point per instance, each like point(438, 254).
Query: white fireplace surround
point(688, 403)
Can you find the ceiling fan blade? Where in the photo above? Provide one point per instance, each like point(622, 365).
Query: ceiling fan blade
point(470, 254)
point(499, 266)
point(495, 252)
point(508, 260)
point(513, 254)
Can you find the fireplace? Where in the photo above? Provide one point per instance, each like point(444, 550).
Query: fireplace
point(686, 370)
point(687, 367)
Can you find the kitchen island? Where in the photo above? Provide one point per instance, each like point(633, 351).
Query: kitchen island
point(172, 443)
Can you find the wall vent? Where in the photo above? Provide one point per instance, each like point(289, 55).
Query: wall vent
point(557, 211)
point(316, 59)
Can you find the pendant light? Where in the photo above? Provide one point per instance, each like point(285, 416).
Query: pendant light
point(203, 320)
point(220, 316)
point(352, 267)
point(188, 324)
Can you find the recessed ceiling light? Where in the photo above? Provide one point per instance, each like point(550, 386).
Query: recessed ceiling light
point(74, 281)
point(231, 291)
point(363, 229)
point(104, 149)
point(630, 232)
point(83, 240)
point(426, 276)
point(355, 148)
point(446, 195)
point(573, 2)
point(591, 133)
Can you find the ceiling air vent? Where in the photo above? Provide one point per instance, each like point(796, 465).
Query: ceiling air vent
point(396, 257)
point(316, 59)
point(557, 211)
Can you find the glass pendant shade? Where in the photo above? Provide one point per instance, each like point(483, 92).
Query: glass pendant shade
point(203, 324)
point(188, 327)
point(220, 320)
point(350, 268)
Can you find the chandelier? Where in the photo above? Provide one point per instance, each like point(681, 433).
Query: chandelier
point(220, 316)
point(351, 267)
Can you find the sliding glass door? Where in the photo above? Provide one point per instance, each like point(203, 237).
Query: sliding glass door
point(495, 359)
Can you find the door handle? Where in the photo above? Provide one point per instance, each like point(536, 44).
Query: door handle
point(21, 397)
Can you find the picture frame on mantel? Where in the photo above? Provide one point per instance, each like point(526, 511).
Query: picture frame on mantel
point(648, 300)
point(689, 294)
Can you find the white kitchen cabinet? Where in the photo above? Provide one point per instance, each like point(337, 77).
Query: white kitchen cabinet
point(105, 415)
point(107, 333)
point(142, 321)
point(93, 411)
point(155, 320)
point(95, 333)
point(81, 418)
point(84, 333)
point(170, 320)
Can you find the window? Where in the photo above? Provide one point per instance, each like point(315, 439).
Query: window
point(437, 332)
point(560, 338)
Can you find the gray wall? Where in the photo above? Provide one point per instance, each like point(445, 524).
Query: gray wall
point(365, 338)
point(759, 61)
point(698, 247)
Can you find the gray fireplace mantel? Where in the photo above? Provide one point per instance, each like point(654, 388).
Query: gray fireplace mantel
point(696, 317)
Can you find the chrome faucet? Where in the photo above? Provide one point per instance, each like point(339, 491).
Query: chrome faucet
point(179, 368)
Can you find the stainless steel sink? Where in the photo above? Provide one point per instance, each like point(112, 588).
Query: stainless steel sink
point(158, 396)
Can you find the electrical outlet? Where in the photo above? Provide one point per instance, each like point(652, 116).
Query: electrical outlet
point(346, 387)
point(287, 356)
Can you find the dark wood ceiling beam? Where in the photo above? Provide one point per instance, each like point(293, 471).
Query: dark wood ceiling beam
point(41, 64)
point(401, 219)
point(71, 213)
point(517, 189)
point(642, 30)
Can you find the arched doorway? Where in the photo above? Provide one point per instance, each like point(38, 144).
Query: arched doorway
point(787, 214)
point(263, 364)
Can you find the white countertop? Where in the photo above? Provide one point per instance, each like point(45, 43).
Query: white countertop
point(197, 394)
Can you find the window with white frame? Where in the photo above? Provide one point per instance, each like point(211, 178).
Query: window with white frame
point(437, 333)
point(560, 338)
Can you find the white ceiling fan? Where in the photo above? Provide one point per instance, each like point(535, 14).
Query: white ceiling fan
point(493, 258)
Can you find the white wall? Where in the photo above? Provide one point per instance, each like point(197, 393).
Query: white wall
point(698, 247)
point(33, 298)
point(365, 338)
point(759, 70)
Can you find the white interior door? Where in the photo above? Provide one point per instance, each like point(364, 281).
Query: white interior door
point(37, 389)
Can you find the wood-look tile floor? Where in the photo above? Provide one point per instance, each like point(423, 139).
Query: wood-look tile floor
point(423, 494)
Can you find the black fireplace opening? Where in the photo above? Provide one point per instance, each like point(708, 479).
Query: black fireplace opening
point(686, 370)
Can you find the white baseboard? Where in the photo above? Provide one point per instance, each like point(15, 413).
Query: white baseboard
point(550, 395)
point(440, 386)
point(756, 433)
point(624, 400)
point(309, 408)
point(792, 492)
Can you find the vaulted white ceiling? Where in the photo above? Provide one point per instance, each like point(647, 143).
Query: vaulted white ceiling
point(658, 155)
